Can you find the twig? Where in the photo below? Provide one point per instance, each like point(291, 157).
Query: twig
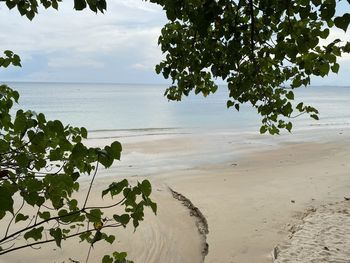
point(90, 186)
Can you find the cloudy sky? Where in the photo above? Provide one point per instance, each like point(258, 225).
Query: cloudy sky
point(119, 46)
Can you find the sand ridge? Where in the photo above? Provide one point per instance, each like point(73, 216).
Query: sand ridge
point(324, 236)
point(201, 221)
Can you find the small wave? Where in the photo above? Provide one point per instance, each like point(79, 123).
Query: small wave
point(135, 129)
point(140, 132)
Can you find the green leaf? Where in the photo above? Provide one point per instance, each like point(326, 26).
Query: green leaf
point(300, 106)
point(21, 217)
point(41, 118)
point(115, 188)
point(84, 132)
point(35, 233)
point(79, 4)
point(6, 201)
point(102, 5)
point(325, 33)
point(107, 259)
point(342, 21)
point(45, 215)
point(4, 146)
point(263, 129)
point(73, 204)
point(94, 215)
point(146, 187)
point(97, 237)
point(290, 95)
point(158, 69)
point(22, 160)
point(85, 236)
point(314, 116)
point(110, 239)
point(57, 235)
point(229, 104)
point(8, 53)
point(10, 4)
point(153, 207)
point(30, 14)
point(20, 121)
point(324, 69)
point(347, 47)
point(116, 149)
point(335, 68)
point(104, 157)
point(54, 4)
point(119, 256)
point(123, 219)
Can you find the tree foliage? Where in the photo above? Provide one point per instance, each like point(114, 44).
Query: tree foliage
point(29, 8)
point(41, 163)
point(263, 49)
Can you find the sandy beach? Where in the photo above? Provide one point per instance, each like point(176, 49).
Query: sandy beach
point(252, 191)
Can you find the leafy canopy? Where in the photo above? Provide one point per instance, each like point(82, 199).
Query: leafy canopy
point(263, 49)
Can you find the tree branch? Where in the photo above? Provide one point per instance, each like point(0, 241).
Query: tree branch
point(52, 240)
point(90, 186)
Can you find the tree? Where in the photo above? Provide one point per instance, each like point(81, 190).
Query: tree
point(40, 165)
point(263, 49)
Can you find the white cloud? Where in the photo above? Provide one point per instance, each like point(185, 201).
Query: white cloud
point(141, 66)
point(137, 4)
point(74, 62)
point(128, 30)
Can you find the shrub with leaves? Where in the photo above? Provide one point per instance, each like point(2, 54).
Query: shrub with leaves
point(41, 162)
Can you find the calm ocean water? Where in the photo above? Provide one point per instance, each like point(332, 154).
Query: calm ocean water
point(127, 106)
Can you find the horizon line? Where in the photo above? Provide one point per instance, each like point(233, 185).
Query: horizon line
point(132, 83)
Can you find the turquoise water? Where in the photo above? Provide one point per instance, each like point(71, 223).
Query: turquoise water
point(127, 106)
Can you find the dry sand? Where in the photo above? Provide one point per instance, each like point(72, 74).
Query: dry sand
point(324, 236)
point(251, 191)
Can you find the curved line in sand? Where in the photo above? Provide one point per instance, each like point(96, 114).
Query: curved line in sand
point(201, 221)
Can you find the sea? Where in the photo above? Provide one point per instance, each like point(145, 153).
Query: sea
point(100, 107)
point(205, 130)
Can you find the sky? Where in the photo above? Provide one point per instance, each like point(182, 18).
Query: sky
point(119, 46)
